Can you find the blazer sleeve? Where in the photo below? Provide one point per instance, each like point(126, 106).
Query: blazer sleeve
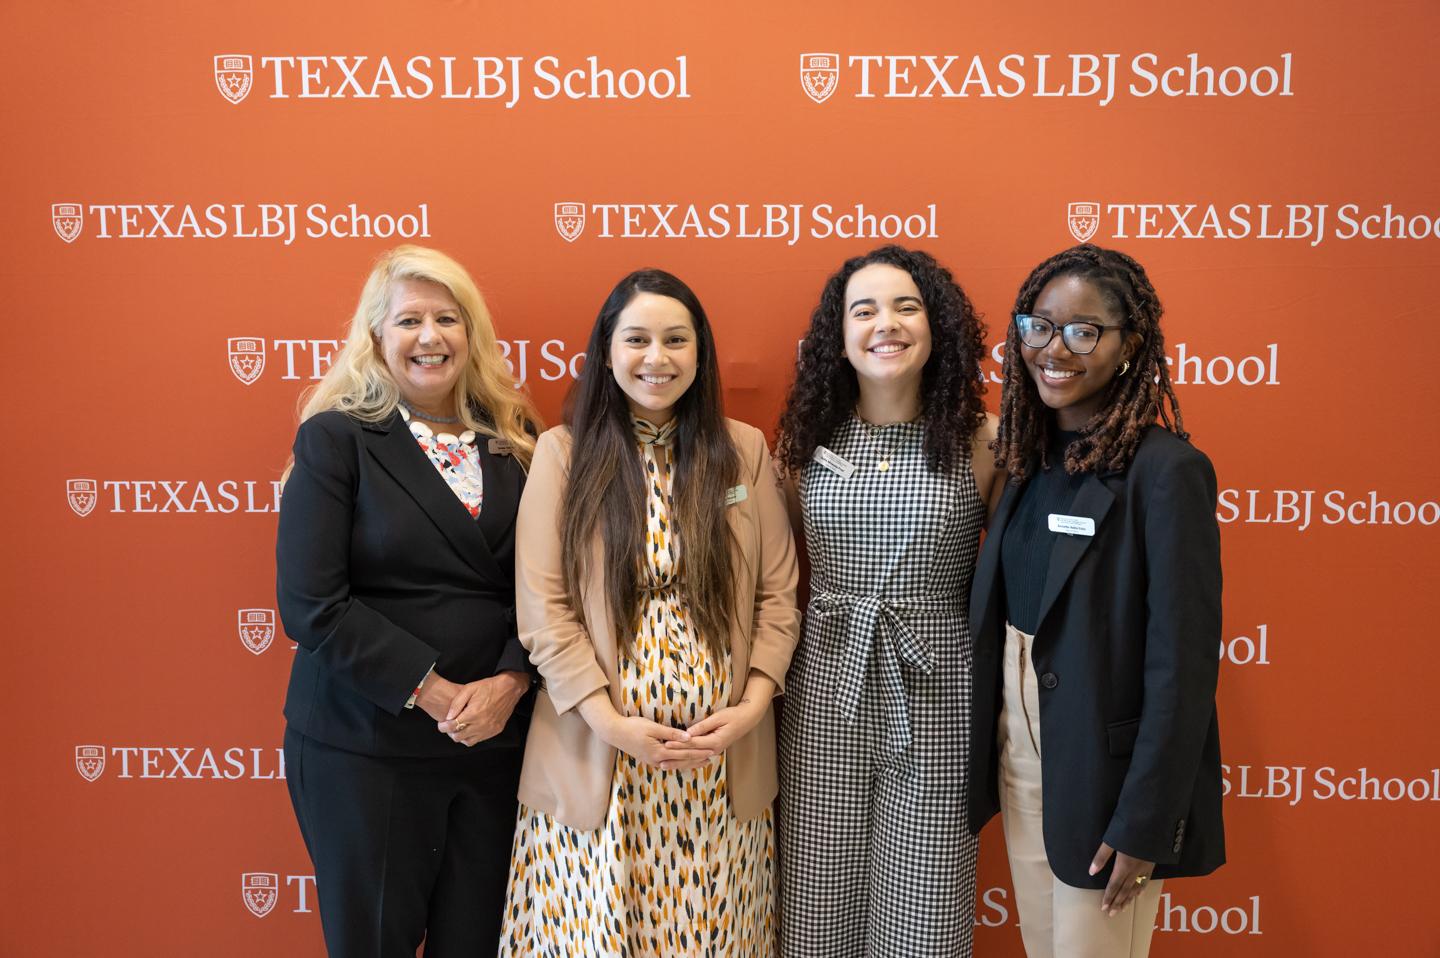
point(514, 658)
point(550, 629)
point(776, 628)
point(1182, 659)
point(357, 645)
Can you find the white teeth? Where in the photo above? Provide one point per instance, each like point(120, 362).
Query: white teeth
point(1061, 373)
point(889, 348)
point(657, 380)
point(430, 360)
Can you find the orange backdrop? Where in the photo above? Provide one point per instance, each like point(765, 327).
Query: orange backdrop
point(193, 194)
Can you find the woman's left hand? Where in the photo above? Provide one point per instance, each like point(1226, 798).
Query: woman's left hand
point(1125, 883)
point(480, 709)
point(724, 728)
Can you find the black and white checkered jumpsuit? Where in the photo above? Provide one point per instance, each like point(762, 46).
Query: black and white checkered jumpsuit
point(875, 857)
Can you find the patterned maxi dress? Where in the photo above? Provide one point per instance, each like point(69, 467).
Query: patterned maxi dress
point(876, 859)
point(670, 872)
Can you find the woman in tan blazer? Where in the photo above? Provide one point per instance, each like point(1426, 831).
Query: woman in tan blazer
point(655, 579)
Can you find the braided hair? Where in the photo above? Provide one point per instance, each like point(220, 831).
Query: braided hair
point(826, 389)
point(1134, 400)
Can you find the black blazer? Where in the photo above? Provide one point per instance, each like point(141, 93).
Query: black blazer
point(381, 572)
point(1127, 653)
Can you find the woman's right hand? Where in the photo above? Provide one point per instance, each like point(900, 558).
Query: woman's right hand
point(435, 695)
point(646, 741)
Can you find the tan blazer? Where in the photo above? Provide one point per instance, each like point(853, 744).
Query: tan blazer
point(568, 768)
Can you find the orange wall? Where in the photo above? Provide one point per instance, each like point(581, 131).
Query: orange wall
point(123, 622)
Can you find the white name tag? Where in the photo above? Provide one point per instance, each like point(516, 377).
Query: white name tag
point(836, 463)
point(736, 494)
point(1072, 525)
point(500, 447)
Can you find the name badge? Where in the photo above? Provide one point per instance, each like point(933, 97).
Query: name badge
point(500, 447)
point(736, 494)
point(1072, 525)
point(836, 463)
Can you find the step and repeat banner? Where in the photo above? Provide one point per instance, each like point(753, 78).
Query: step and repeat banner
point(193, 197)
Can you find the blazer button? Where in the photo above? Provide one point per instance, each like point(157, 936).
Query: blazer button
point(1176, 849)
point(1049, 680)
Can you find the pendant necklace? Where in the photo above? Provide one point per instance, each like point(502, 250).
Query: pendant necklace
point(884, 452)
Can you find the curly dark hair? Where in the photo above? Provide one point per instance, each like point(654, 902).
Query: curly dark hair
point(1109, 440)
point(825, 389)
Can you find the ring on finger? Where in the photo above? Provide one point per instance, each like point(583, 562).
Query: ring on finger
point(1141, 880)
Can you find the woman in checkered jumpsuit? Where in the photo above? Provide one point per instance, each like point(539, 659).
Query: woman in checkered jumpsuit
point(886, 439)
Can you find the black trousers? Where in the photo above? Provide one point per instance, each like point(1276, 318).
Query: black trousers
point(406, 849)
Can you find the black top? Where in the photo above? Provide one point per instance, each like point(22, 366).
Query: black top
point(1025, 551)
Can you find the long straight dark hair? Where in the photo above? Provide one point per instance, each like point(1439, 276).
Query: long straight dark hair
point(606, 487)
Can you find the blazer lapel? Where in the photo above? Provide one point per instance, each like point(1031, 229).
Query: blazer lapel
point(502, 495)
point(985, 587)
point(1092, 501)
point(401, 456)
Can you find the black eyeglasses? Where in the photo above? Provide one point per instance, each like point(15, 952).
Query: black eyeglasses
point(1080, 338)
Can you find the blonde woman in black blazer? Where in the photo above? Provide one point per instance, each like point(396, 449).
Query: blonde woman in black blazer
point(1095, 612)
point(408, 700)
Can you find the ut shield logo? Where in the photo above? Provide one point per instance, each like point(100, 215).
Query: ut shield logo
point(67, 218)
point(1083, 219)
point(247, 358)
point(257, 629)
point(90, 761)
point(82, 494)
point(819, 75)
point(233, 76)
point(260, 891)
point(570, 220)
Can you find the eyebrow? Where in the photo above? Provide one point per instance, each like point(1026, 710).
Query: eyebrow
point(682, 327)
point(1074, 317)
point(898, 299)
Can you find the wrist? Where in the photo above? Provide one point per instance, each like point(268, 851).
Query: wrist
point(435, 690)
point(598, 713)
point(517, 682)
point(753, 706)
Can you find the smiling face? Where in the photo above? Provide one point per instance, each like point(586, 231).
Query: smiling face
point(1076, 386)
point(653, 355)
point(424, 343)
point(887, 332)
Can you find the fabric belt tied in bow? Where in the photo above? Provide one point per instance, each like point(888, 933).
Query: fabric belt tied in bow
point(877, 629)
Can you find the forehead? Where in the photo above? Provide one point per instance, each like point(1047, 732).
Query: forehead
point(1074, 295)
point(655, 312)
point(880, 282)
point(420, 294)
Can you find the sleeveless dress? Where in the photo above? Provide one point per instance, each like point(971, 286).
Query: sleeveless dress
point(876, 858)
point(670, 872)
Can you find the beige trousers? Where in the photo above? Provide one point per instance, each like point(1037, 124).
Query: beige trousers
point(1056, 920)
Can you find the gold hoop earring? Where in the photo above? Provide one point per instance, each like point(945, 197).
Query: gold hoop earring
point(1124, 368)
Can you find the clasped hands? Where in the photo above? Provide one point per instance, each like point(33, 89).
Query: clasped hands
point(673, 749)
point(475, 711)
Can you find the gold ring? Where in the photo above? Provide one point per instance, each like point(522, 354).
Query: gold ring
point(461, 726)
point(1141, 880)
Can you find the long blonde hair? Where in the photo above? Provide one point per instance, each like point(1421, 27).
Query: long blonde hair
point(360, 385)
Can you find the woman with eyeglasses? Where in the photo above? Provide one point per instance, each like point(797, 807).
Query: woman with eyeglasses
point(1095, 613)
